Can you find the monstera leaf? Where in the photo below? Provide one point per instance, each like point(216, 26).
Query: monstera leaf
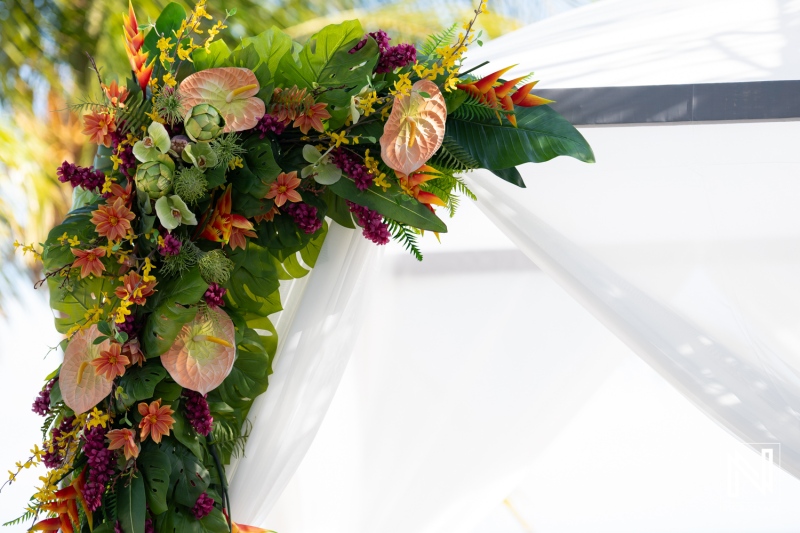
point(168, 22)
point(167, 319)
point(326, 59)
point(271, 46)
point(541, 134)
point(74, 299)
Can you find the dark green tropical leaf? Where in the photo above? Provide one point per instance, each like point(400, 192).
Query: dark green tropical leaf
point(541, 134)
point(185, 433)
point(270, 45)
point(216, 56)
point(511, 175)
point(131, 504)
point(77, 223)
point(167, 24)
point(155, 467)
point(139, 383)
point(75, 298)
point(188, 477)
point(394, 204)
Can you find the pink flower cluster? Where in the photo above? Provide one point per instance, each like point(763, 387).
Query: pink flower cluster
point(86, 177)
point(171, 246)
point(270, 124)
point(41, 405)
point(214, 295)
point(351, 166)
point(197, 411)
point(304, 215)
point(375, 229)
point(391, 57)
point(100, 461)
point(202, 506)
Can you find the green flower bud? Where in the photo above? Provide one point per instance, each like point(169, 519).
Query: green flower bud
point(203, 123)
point(191, 185)
point(154, 178)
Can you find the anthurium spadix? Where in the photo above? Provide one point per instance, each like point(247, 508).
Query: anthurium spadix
point(155, 143)
point(172, 212)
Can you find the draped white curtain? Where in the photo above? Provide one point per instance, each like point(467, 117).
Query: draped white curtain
point(316, 332)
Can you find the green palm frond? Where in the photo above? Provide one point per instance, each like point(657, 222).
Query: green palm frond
point(24, 518)
point(451, 157)
point(406, 236)
point(133, 116)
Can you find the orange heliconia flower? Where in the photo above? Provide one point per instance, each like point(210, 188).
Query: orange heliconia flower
point(99, 127)
point(134, 41)
point(64, 506)
point(115, 93)
point(112, 221)
point(156, 420)
point(411, 185)
point(312, 117)
point(283, 189)
point(125, 439)
point(415, 129)
point(110, 363)
point(134, 289)
point(89, 261)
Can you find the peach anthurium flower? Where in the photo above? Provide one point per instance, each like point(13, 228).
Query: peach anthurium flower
point(82, 388)
point(231, 90)
point(283, 189)
point(203, 352)
point(134, 289)
point(112, 221)
point(125, 439)
point(89, 261)
point(99, 127)
point(415, 129)
point(111, 363)
point(156, 420)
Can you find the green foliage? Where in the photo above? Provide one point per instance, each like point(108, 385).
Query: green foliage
point(188, 477)
point(438, 39)
point(270, 45)
point(171, 312)
point(229, 435)
point(20, 519)
point(131, 504)
point(155, 466)
point(471, 109)
point(138, 383)
point(132, 117)
point(73, 299)
point(541, 134)
point(453, 157)
point(253, 279)
point(77, 223)
point(259, 168)
point(167, 24)
point(325, 59)
point(289, 265)
point(178, 520)
point(406, 236)
point(393, 204)
point(216, 56)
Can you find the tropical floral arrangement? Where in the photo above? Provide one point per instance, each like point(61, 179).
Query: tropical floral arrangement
point(217, 173)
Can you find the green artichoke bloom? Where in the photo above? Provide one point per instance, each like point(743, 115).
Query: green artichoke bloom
point(203, 123)
point(155, 177)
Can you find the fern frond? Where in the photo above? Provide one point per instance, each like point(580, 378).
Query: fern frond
point(475, 110)
point(438, 39)
point(132, 117)
point(87, 104)
point(462, 188)
point(406, 236)
point(453, 158)
point(25, 517)
point(229, 438)
point(110, 506)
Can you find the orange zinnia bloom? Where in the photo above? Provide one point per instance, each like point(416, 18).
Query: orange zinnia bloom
point(89, 261)
point(99, 127)
point(125, 439)
point(312, 117)
point(110, 363)
point(283, 189)
point(156, 420)
point(112, 221)
point(134, 289)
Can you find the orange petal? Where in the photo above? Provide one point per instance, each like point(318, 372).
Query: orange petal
point(50, 524)
point(80, 396)
point(520, 93)
point(426, 197)
point(505, 88)
point(487, 82)
point(531, 100)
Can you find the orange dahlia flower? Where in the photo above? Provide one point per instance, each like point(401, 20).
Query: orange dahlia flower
point(89, 261)
point(312, 117)
point(283, 189)
point(112, 221)
point(99, 127)
point(125, 439)
point(156, 420)
point(110, 363)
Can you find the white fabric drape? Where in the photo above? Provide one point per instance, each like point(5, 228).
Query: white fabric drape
point(316, 332)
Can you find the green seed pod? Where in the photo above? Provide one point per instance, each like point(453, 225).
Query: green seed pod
point(154, 178)
point(203, 123)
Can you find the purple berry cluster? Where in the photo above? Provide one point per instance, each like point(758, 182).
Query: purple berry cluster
point(214, 295)
point(351, 166)
point(41, 405)
point(197, 412)
point(129, 163)
point(130, 326)
point(391, 57)
point(304, 215)
point(270, 124)
point(202, 506)
point(375, 229)
point(100, 461)
point(86, 177)
point(171, 246)
point(53, 459)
